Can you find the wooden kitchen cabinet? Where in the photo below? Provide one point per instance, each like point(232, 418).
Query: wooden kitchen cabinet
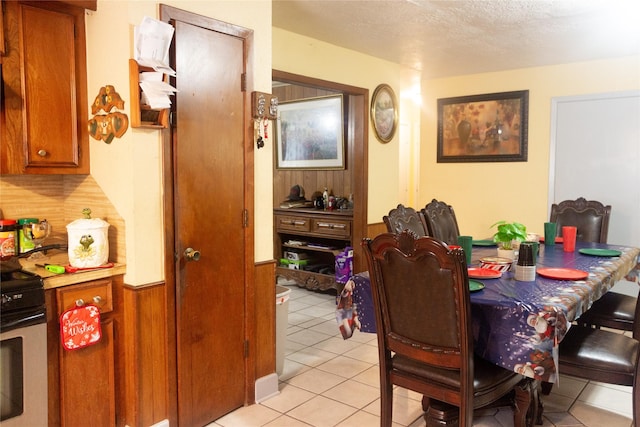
point(83, 384)
point(44, 80)
point(318, 236)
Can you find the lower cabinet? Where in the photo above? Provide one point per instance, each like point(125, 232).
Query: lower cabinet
point(82, 382)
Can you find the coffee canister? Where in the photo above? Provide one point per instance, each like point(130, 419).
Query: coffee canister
point(88, 241)
point(8, 238)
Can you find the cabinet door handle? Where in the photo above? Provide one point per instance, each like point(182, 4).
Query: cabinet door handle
point(331, 225)
point(42, 153)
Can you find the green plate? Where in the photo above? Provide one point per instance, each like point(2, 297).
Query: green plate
point(475, 286)
point(487, 242)
point(600, 252)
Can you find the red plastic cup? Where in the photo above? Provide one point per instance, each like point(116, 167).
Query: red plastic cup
point(569, 238)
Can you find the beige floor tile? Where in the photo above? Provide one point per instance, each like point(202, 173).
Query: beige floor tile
point(291, 369)
point(370, 377)
point(405, 411)
point(286, 421)
point(322, 412)
point(329, 327)
point(308, 337)
point(311, 356)
point(337, 345)
point(253, 415)
point(353, 394)
point(608, 398)
point(364, 337)
point(366, 353)
point(290, 396)
point(593, 417)
point(316, 381)
point(319, 311)
point(344, 366)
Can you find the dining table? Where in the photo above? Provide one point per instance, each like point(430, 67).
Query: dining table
point(516, 324)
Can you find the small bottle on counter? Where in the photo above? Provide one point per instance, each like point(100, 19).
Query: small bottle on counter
point(24, 244)
point(325, 198)
point(8, 238)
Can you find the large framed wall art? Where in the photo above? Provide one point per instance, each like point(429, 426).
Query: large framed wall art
point(483, 128)
point(310, 134)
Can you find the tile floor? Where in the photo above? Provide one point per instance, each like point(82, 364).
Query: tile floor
point(328, 381)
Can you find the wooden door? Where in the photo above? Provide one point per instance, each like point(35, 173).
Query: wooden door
point(209, 214)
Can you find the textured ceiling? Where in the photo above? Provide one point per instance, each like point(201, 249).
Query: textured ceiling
point(448, 38)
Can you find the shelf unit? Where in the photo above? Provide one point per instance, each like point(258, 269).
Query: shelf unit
point(324, 235)
point(143, 116)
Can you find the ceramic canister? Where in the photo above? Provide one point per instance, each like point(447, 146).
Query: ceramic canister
point(88, 241)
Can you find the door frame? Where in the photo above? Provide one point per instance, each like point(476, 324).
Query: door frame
point(170, 14)
point(359, 126)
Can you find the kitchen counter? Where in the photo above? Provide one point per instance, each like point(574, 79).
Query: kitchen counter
point(58, 257)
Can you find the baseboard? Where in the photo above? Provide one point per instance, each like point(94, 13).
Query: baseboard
point(266, 387)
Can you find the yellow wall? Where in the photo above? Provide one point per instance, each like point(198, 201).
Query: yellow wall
point(483, 193)
point(129, 170)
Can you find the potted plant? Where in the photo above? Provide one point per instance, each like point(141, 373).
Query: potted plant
point(508, 236)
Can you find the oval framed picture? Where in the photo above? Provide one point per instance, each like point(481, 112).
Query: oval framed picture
point(384, 113)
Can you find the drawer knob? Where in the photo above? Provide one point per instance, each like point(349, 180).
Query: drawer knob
point(42, 153)
point(97, 299)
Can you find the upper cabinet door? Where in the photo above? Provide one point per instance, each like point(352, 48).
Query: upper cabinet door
point(45, 90)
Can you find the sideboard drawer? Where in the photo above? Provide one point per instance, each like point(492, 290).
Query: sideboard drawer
point(292, 223)
point(331, 227)
point(97, 292)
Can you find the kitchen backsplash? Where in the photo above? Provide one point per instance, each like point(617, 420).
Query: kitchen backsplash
point(60, 199)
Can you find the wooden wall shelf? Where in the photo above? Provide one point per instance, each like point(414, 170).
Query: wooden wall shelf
point(143, 116)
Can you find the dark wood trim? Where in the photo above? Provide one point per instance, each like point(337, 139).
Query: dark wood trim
point(144, 357)
point(265, 329)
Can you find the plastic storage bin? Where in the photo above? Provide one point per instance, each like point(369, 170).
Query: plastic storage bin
point(282, 323)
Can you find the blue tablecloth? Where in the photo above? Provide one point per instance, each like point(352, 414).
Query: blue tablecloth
point(518, 325)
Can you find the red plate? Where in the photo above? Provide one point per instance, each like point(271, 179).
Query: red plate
point(563, 273)
point(483, 273)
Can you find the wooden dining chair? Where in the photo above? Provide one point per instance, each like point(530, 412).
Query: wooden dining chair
point(421, 298)
point(605, 356)
point(405, 218)
point(591, 217)
point(441, 222)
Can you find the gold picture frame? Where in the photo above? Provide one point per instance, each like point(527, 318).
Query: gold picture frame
point(384, 113)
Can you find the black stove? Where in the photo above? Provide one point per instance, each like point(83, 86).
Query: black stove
point(22, 300)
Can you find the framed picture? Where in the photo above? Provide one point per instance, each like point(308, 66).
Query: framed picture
point(310, 134)
point(483, 128)
point(384, 113)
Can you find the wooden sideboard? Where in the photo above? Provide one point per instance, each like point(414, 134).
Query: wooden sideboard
point(316, 237)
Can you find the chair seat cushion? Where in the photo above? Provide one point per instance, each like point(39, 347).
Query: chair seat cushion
point(613, 310)
point(599, 355)
point(487, 376)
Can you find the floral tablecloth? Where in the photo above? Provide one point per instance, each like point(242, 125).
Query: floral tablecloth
point(518, 325)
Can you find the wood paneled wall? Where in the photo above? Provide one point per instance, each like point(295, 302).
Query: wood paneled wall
point(144, 356)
